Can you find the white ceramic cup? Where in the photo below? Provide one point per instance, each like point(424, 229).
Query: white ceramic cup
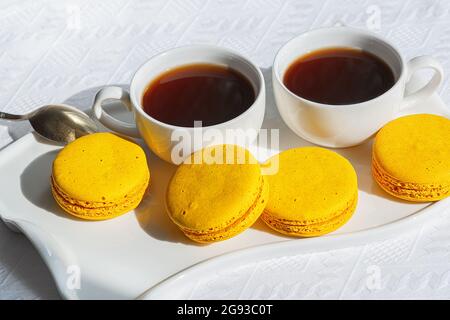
point(348, 125)
point(163, 138)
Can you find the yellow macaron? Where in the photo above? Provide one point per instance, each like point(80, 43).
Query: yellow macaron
point(216, 193)
point(99, 176)
point(411, 157)
point(313, 193)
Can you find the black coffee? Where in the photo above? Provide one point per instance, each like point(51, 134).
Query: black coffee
point(199, 92)
point(339, 76)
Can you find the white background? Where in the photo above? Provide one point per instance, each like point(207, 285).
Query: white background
point(62, 51)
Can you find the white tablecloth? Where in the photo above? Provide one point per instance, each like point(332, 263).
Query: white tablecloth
point(62, 51)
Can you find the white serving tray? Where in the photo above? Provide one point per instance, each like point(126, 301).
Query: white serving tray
point(126, 256)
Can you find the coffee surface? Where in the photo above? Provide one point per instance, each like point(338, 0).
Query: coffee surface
point(209, 93)
point(339, 76)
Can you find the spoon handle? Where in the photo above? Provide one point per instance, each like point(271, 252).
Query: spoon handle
point(9, 116)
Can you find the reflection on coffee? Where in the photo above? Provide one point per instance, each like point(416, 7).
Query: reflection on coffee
point(339, 76)
point(209, 93)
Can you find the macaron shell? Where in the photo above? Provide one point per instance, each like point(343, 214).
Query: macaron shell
point(312, 185)
point(204, 198)
point(408, 191)
point(411, 158)
point(100, 167)
point(99, 176)
point(246, 221)
point(415, 148)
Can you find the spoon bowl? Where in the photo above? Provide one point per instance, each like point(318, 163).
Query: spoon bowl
point(57, 122)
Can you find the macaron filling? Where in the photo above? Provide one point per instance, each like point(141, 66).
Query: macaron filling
point(97, 204)
point(96, 213)
point(313, 228)
point(407, 190)
point(237, 226)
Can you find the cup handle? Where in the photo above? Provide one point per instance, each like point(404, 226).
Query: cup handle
point(114, 93)
point(423, 62)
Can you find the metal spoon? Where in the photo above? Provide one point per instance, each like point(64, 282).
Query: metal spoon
point(57, 122)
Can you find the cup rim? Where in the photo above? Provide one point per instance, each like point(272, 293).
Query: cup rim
point(137, 105)
point(360, 31)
